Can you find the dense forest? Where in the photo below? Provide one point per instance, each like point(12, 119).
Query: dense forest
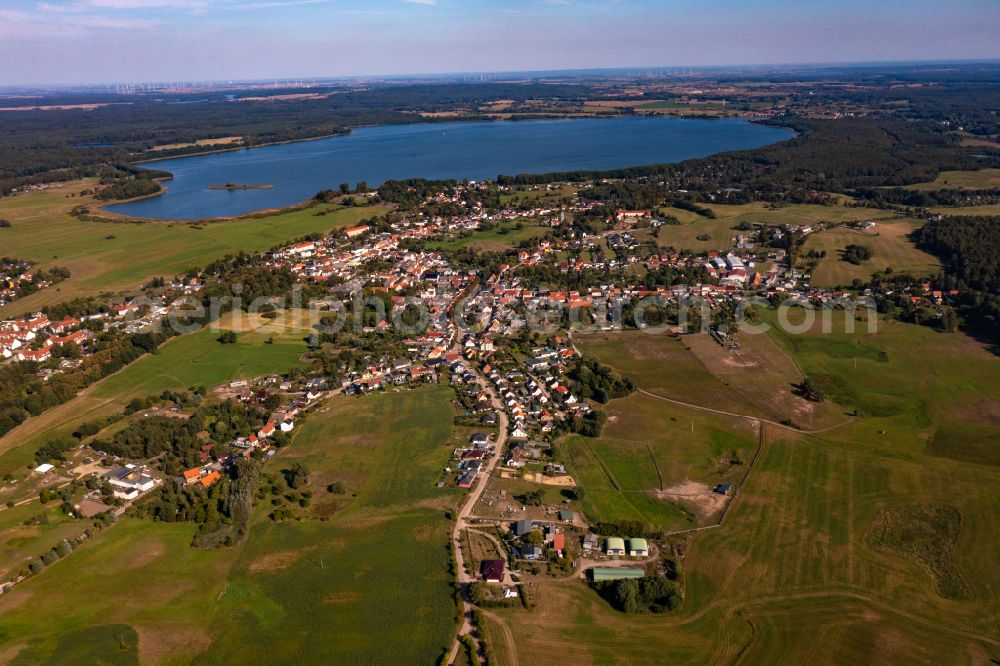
point(826, 155)
point(970, 250)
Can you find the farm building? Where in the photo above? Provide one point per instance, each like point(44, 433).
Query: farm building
point(601, 574)
point(566, 516)
point(615, 546)
point(723, 488)
point(129, 482)
point(638, 547)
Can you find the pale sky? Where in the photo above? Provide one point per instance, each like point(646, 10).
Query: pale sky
point(96, 41)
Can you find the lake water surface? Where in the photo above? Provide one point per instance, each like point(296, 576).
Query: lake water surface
point(474, 150)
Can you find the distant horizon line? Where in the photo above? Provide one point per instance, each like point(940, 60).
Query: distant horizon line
point(638, 70)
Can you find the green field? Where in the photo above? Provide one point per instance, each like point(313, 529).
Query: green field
point(890, 246)
point(792, 576)
point(108, 256)
point(371, 584)
point(983, 179)
point(194, 359)
point(756, 381)
point(115, 580)
point(720, 230)
point(492, 239)
point(22, 543)
point(365, 583)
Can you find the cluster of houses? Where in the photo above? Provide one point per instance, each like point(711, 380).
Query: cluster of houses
point(14, 277)
point(469, 460)
point(34, 338)
point(552, 538)
point(280, 420)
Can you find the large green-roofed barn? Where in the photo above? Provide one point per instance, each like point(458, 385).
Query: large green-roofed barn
point(615, 546)
point(602, 574)
point(638, 547)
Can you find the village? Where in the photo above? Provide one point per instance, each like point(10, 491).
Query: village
point(501, 339)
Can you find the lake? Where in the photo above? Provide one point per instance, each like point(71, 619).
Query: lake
point(474, 150)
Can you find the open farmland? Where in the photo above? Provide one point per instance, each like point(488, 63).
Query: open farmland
point(110, 581)
point(756, 380)
point(372, 582)
point(31, 529)
point(109, 256)
point(983, 179)
point(890, 246)
point(319, 589)
point(794, 574)
point(722, 235)
point(790, 578)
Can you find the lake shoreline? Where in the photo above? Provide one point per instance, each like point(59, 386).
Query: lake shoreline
point(391, 152)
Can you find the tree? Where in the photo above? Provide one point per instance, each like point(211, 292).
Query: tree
point(532, 498)
point(627, 595)
point(296, 476)
point(228, 338)
point(810, 391)
point(857, 254)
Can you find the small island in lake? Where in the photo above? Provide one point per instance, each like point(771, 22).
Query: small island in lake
point(236, 186)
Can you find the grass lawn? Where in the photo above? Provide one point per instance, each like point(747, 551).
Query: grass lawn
point(368, 583)
point(890, 247)
point(109, 256)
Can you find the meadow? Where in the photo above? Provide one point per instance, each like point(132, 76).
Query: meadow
point(504, 236)
point(890, 246)
point(758, 380)
point(362, 580)
point(722, 235)
point(794, 574)
point(113, 256)
point(983, 179)
point(25, 538)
